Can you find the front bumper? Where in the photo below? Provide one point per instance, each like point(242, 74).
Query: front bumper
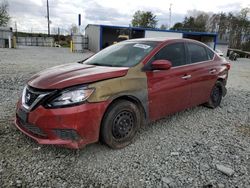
point(72, 127)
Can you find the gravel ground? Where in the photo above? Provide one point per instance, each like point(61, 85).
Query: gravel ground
point(198, 147)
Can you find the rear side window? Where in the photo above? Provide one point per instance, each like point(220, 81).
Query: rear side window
point(197, 53)
point(210, 54)
point(174, 53)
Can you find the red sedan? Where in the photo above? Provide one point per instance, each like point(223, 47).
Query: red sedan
point(110, 95)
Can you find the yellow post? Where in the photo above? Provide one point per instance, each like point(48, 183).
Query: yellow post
point(71, 46)
point(14, 41)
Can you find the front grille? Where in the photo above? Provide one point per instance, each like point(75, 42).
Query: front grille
point(31, 128)
point(67, 134)
point(32, 96)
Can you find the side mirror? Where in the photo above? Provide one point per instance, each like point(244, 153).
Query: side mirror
point(161, 65)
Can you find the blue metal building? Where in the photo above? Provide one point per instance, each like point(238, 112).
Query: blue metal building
point(101, 36)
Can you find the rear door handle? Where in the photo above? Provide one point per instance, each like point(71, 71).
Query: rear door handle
point(186, 77)
point(212, 71)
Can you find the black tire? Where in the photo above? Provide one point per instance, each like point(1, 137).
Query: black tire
point(215, 96)
point(120, 124)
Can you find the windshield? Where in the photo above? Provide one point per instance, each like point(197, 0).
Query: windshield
point(123, 54)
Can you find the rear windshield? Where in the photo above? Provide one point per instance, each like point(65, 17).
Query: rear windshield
point(123, 54)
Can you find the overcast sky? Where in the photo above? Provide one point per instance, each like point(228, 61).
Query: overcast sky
point(30, 15)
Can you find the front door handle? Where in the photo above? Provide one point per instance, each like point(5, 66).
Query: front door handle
point(186, 77)
point(212, 71)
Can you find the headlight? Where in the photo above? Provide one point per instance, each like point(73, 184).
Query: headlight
point(70, 97)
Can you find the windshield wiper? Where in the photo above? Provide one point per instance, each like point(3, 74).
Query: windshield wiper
point(81, 61)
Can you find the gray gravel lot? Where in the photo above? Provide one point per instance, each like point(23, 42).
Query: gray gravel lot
point(198, 147)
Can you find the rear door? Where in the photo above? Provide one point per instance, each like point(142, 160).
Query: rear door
point(203, 70)
point(169, 90)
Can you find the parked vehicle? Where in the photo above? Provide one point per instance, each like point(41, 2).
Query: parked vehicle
point(233, 56)
point(109, 96)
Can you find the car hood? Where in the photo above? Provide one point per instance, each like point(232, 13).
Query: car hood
point(74, 74)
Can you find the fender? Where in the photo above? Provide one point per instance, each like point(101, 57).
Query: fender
point(133, 85)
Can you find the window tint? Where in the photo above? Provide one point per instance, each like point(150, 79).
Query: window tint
point(210, 54)
point(197, 53)
point(174, 53)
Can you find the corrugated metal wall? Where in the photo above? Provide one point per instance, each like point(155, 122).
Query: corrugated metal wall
point(4, 37)
point(93, 34)
point(4, 34)
point(35, 41)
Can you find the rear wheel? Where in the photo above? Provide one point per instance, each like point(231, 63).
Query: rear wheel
point(120, 124)
point(215, 96)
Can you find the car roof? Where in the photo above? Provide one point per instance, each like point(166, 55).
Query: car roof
point(160, 39)
point(165, 39)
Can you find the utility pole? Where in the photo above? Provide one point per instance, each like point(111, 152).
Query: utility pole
point(16, 39)
point(170, 15)
point(58, 34)
point(48, 17)
point(79, 23)
point(16, 29)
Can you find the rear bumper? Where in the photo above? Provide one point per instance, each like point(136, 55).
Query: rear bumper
point(72, 127)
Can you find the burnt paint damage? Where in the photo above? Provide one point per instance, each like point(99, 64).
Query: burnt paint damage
point(133, 84)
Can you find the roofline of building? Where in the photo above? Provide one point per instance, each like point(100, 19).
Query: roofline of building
point(155, 29)
point(5, 29)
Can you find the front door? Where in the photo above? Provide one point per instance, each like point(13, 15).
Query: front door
point(169, 90)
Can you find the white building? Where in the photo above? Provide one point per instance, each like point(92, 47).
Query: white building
point(5, 37)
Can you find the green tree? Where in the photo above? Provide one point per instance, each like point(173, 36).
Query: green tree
point(189, 23)
point(201, 21)
point(197, 23)
point(144, 19)
point(4, 16)
point(232, 27)
point(239, 27)
point(177, 26)
point(223, 24)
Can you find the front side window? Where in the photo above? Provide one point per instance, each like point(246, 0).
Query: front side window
point(175, 53)
point(123, 54)
point(197, 53)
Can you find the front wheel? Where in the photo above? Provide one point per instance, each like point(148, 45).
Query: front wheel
point(120, 124)
point(215, 96)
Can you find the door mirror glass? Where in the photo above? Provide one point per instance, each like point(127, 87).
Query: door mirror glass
point(161, 65)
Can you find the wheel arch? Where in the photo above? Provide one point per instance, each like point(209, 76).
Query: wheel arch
point(223, 83)
point(222, 80)
point(132, 99)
